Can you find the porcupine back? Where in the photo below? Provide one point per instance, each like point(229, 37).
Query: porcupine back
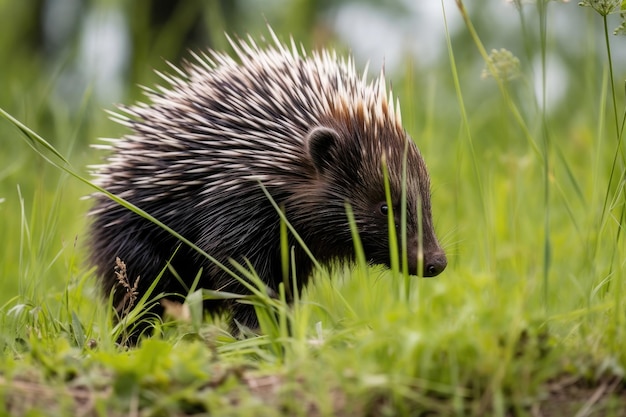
point(310, 129)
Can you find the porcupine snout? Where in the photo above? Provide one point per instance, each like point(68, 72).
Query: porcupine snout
point(434, 263)
point(434, 258)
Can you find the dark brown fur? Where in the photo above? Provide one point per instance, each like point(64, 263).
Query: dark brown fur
point(199, 151)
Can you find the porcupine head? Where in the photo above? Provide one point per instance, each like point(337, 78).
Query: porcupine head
point(357, 150)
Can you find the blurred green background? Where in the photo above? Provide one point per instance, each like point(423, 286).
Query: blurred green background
point(64, 62)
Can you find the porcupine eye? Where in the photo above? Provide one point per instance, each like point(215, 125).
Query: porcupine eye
point(383, 209)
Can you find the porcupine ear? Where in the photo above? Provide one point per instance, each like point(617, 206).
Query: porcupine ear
point(320, 143)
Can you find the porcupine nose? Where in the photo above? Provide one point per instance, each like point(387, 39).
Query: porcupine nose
point(435, 263)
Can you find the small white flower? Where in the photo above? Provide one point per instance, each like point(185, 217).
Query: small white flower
point(504, 65)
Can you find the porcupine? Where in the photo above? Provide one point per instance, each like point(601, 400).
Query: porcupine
point(308, 129)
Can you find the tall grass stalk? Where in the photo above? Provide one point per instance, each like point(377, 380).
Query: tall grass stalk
point(468, 134)
point(616, 194)
point(547, 246)
point(543, 151)
point(618, 130)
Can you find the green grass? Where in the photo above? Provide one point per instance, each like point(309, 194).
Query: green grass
point(528, 319)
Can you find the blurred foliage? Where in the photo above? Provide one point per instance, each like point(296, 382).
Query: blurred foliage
point(53, 84)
